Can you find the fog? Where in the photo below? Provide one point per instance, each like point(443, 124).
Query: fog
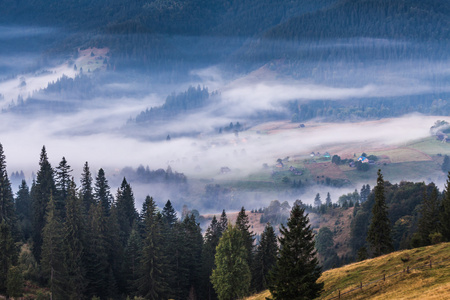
point(97, 130)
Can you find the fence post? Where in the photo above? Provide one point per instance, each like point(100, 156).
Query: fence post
point(360, 284)
point(430, 264)
point(339, 294)
point(407, 269)
point(384, 277)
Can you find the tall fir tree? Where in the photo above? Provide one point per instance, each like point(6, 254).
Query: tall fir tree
point(265, 258)
point(444, 214)
point(379, 233)
point(328, 200)
point(62, 183)
point(8, 253)
point(23, 210)
point(7, 210)
point(169, 215)
point(126, 212)
point(243, 224)
point(231, 277)
point(96, 255)
point(102, 193)
point(171, 233)
point(53, 261)
point(152, 283)
point(40, 193)
point(211, 240)
point(86, 190)
point(223, 221)
point(429, 215)
point(74, 238)
point(132, 262)
point(297, 269)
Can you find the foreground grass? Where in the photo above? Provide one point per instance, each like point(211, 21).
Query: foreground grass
point(423, 282)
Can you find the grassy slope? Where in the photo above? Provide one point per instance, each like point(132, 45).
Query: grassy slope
point(424, 283)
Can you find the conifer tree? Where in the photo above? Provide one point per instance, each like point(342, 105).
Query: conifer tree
point(115, 251)
point(265, 258)
point(96, 255)
point(243, 224)
point(297, 269)
point(23, 210)
point(429, 215)
point(317, 201)
point(126, 212)
point(172, 236)
point(152, 282)
point(328, 200)
point(15, 282)
point(231, 277)
point(223, 221)
point(62, 183)
point(211, 240)
point(133, 253)
point(169, 215)
point(102, 192)
point(7, 210)
point(8, 253)
point(87, 194)
point(53, 252)
point(74, 239)
point(40, 193)
point(379, 233)
point(444, 215)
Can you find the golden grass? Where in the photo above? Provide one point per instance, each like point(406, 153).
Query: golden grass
point(423, 283)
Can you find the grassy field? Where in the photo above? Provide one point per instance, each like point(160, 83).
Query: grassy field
point(421, 282)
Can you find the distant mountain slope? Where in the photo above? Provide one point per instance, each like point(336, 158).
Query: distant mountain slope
point(392, 19)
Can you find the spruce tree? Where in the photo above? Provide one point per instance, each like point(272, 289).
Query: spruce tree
point(86, 190)
point(152, 283)
point(265, 258)
point(243, 224)
point(74, 239)
point(429, 215)
point(223, 221)
point(7, 210)
point(126, 212)
point(40, 193)
point(96, 255)
point(133, 254)
point(379, 233)
point(102, 192)
point(317, 201)
point(297, 269)
point(328, 200)
point(231, 277)
point(211, 240)
point(53, 261)
point(169, 215)
point(62, 183)
point(23, 210)
point(8, 253)
point(172, 236)
point(444, 215)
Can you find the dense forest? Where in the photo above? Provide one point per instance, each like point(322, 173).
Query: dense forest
point(83, 242)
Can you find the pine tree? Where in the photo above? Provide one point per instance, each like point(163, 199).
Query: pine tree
point(297, 270)
point(62, 183)
point(126, 212)
point(243, 224)
point(133, 253)
point(231, 277)
point(74, 239)
point(8, 253)
point(152, 282)
point(317, 201)
point(15, 282)
point(40, 193)
point(265, 258)
point(211, 240)
point(429, 215)
point(169, 215)
point(444, 215)
point(96, 256)
point(379, 233)
point(223, 221)
point(102, 193)
point(7, 210)
point(23, 210)
point(53, 252)
point(87, 194)
point(328, 200)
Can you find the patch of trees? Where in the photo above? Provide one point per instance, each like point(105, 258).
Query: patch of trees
point(193, 98)
point(275, 213)
point(414, 213)
point(145, 175)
